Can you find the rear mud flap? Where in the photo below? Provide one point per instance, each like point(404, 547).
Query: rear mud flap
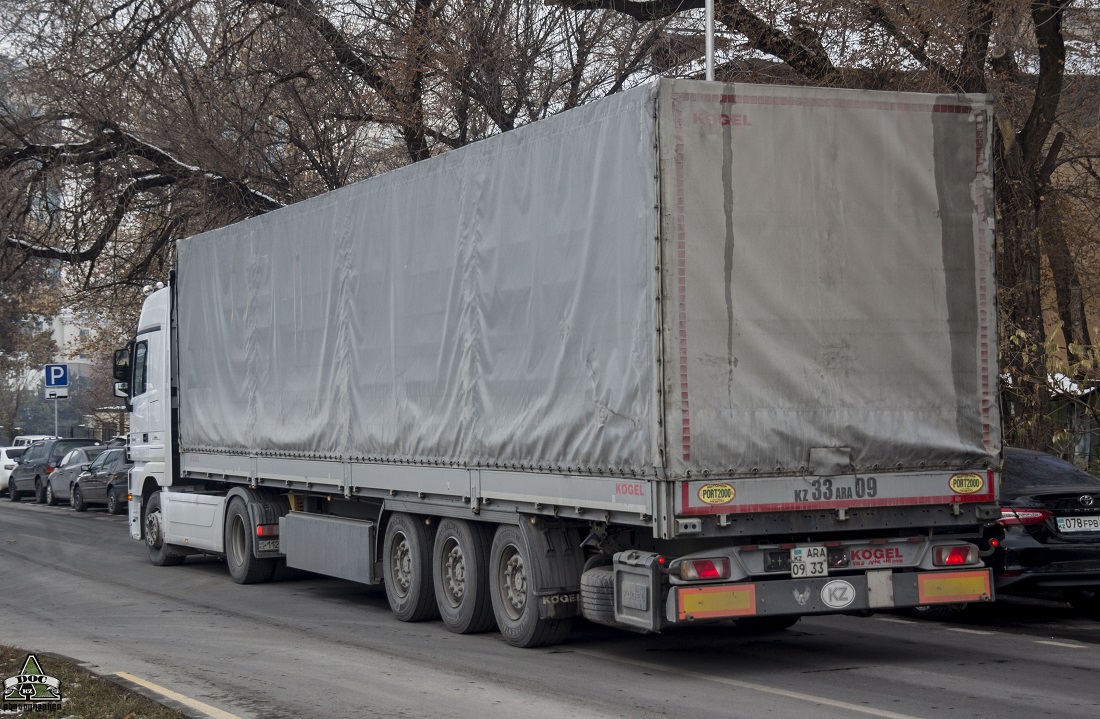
point(555, 552)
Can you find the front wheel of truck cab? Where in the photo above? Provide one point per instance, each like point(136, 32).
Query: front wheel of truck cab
point(244, 566)
point(160, 554)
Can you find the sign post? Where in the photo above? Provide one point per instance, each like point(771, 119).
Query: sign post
point(57, 387)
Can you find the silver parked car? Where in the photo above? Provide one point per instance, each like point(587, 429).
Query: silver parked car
point(59, 484)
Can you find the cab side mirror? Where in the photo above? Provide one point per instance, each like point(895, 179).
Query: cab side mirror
point(121, 366)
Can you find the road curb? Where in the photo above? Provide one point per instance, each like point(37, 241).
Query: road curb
point(132, 687)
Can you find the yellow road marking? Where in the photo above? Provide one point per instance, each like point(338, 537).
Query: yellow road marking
point(212, 712)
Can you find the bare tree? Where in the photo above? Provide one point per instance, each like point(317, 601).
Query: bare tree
point(127, 125)
point(26, 304)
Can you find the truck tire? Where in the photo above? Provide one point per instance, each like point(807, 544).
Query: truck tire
point(407, 568)
point(598, 595)
point(514, 603)
point(244, 566)
point(460, 572)
point(160, 554)
point(283, 573)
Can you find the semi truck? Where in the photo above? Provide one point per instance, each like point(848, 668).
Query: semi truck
point(695, 352)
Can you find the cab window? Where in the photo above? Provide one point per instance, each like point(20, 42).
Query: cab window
point(141, 355)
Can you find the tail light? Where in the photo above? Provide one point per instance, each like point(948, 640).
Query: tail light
point(49, 468)
point(701, 569)
point(954, 555)
point(1011, 516)
point(267, 530)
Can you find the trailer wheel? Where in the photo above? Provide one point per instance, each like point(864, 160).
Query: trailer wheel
point(514, 603)
point(160, 554)
point(460, 570)
point(407, 569)
point(244, 566)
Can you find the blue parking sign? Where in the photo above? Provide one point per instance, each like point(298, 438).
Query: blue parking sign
point(57, 375)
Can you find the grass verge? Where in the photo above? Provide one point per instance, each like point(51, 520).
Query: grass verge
point(84, 695)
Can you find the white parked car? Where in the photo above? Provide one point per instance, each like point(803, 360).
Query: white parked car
point(27, 440)
point(8, 457)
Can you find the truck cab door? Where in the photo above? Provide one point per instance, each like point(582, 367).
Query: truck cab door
point(147, 419)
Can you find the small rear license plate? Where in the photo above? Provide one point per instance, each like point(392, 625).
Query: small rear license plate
point(267, 545)
point(1079, 524)
point(809, 562)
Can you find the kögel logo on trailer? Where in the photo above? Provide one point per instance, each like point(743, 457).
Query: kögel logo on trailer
point(717, 493)
point(966, 483)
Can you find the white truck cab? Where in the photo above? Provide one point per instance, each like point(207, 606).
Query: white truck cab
point(143, 374)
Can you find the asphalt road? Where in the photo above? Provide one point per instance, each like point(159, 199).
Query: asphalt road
point(75, 584)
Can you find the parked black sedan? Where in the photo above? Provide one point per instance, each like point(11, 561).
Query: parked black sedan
point(103, 483)
point(1048, 537)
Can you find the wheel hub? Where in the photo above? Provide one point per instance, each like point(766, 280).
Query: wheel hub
point(515, 584)
point(152, 529)
point(402, 565)
point(454, 573)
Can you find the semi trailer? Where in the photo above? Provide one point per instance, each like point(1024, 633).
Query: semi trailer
point(694, 352)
